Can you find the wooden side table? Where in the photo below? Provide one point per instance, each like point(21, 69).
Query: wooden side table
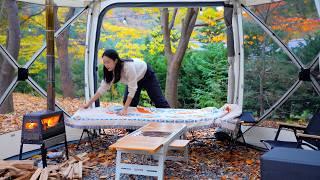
point(152, 139)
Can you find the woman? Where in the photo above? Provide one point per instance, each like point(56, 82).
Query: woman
point(136, 74)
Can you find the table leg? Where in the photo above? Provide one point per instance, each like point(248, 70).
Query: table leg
point(118, 161)
point(161, 166)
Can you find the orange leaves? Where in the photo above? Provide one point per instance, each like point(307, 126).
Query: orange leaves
point(249, 161)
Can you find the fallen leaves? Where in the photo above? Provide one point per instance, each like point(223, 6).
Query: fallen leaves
point(208, 159)
point(249, 161)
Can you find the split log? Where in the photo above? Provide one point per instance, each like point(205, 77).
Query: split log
point(71, 172)
point(76, 158)
point(10, 168)
point(25, 176)
point(80, 169)
point(44, 174)
point(82, 155)
point(36, 174)
point(66, 171)
point(20, 164)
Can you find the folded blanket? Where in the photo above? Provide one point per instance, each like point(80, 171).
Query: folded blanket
point(99, 118)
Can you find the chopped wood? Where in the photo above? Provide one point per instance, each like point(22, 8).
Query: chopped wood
point(25, 176)
point(36, 174)
point(88, 167)
point(75, 171)
point(52, 168)
point(66, 171)
point(63, 164)
point(80, 164)
point(20, 164)
point(103, 177)
point(54, 174)
point(44, 174)
point(71, 173)
point(82, 155)
point(71, 161)
point(76, 158)
point(11, 168)
point(86, 160)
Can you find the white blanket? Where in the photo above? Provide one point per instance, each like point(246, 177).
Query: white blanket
point(99, 118)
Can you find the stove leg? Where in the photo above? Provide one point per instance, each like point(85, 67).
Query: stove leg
point(44, 156)
point(21, 149)
point(66, 146)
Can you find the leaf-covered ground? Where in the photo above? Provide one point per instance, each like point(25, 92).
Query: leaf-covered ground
point(208, 159)
point(24, 103)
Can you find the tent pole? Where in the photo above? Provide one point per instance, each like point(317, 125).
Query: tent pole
point(315, 84)
point(50, 55)
point(228, 13)
point(241, 57)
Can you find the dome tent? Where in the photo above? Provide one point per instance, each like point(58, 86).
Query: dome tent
point(233, 18)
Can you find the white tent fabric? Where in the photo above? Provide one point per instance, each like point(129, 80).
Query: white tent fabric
point(84, 3)
point(66, 3)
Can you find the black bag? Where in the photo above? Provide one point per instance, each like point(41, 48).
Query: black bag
point(221, 135)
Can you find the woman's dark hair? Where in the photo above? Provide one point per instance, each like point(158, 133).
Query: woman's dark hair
point(108, 75)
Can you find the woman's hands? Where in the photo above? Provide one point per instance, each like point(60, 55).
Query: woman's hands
point(85, 106)
point(123, 112)
point(93, 99)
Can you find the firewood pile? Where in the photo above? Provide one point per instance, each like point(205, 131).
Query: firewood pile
point(16, 169)
point(75, 168)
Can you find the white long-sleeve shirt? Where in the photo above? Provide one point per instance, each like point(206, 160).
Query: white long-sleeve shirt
point(131, 73)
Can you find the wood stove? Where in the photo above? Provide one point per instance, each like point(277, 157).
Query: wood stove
point(45, 128)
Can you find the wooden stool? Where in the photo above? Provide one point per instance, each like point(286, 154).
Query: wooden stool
point(182, 145)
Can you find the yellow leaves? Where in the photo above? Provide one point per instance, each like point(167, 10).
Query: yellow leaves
point(210, 15)
point(142, 11)
point(250, 42)
point(77, 50)
point(37, 67)
point(119, 32)
point(29, 45)
point(219, 38)
point(3, 39)
point(24, 17)
point(128, 49)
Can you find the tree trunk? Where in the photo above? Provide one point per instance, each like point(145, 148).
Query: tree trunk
point(175, 59)
point(63, 56)
point(13, 46)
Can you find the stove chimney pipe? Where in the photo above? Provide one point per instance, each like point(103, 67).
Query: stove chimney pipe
point(50, 55)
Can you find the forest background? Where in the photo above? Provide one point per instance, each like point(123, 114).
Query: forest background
point(185, 46)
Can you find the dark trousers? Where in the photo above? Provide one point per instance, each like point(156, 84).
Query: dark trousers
point(151, 84)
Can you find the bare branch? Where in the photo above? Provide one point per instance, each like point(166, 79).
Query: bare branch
point(1, 8)
point(173, 18)
point(201, 25)
point(187, 28)
point(32, 15)
point(193, 20)
point(166, 32)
